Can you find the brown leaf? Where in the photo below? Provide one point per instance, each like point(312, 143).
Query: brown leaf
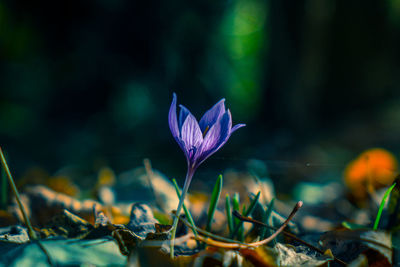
point(43, 203)
point(348, 244)
point(67, 225)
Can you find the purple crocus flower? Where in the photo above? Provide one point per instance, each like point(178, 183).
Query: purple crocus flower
point(198, 140)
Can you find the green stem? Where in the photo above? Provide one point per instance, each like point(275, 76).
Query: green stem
point(185, 209)
point(188, 179)
point(31, 232)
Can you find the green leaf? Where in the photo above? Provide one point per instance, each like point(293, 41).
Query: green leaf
point(236, 207)
point(378, 216)
point(214, 201)
point(252, 205)
point(245, 212)
point(228, 210)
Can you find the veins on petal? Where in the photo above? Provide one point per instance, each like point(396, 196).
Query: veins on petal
point(191, 133)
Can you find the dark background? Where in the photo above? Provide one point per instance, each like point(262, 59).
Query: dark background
point(89, 83)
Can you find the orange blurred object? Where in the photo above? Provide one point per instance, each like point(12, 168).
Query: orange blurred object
point(63, 184)
point(372, 169)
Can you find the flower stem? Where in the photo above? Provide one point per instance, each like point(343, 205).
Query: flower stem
point(188, 179)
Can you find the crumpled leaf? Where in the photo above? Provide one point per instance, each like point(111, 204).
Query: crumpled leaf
point(142, 226)
point(287, 256)
point(382, 242)
point(14, 234)
point(67, 225)
point(232, 258)
point(347, 245)
point(142, 220)
point(43, 204)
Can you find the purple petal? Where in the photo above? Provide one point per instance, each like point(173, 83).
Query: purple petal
point(228, 122)
point(191, 134)
point(237, 126)
point(215, 138)
point(173, 124)
point(172, 120)
point(212, 115)
point(182, 115)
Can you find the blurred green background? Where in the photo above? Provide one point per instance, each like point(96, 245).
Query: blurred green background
point(89, 83)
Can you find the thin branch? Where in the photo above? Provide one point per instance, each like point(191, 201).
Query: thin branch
point(220, 244)
point(248, 219)
point(206, 233)
point(31, 233)
point(280, 229)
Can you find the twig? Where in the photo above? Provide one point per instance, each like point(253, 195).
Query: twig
point(31, 233)
point(220, 244)
point(248, 219)
point(206, 233)
point(280, 229)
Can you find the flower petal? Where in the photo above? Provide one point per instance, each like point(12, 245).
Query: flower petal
point(227, 121)
point(215, 138)
point(172, 119)
point(212, 115)
point(182, 115)
point(237, 126)
point(191, 134)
